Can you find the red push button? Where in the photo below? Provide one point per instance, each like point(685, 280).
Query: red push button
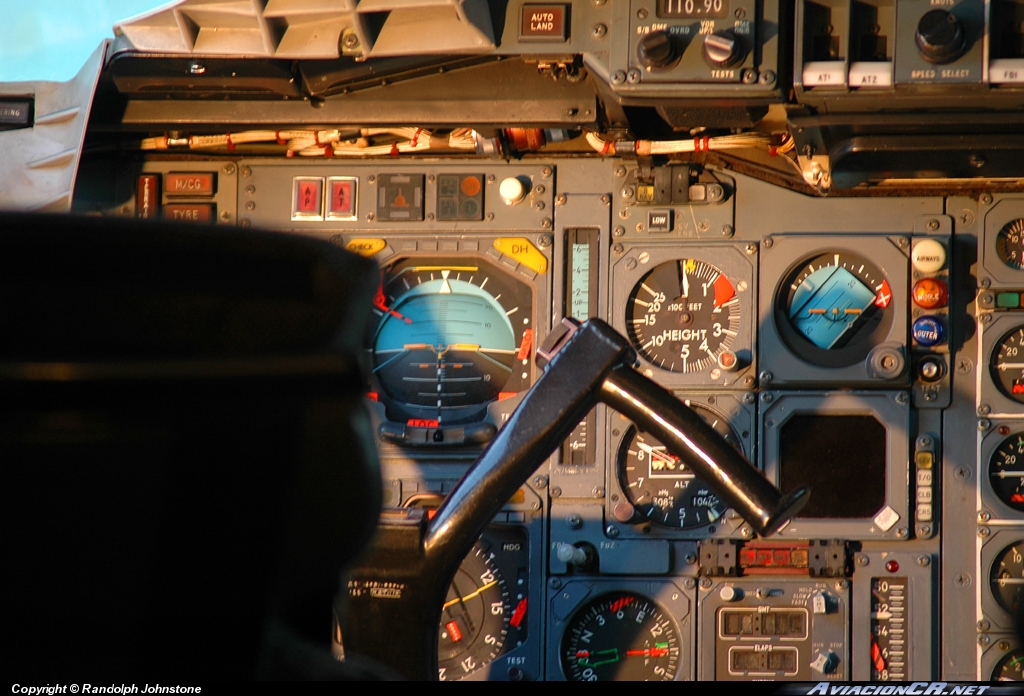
point(341, 199)
point(189, 184)
point(930, 293)
point(308, 199)
point(189, 212)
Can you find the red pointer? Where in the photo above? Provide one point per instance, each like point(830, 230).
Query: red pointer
point(649, 652)
point(378, 302)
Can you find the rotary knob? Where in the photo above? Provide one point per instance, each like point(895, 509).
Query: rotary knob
point(723, 50)
point(940, 37)
point(657, 50)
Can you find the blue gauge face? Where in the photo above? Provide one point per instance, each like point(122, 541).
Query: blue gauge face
point(445, 346)
point(828, 303)
point(832, 309)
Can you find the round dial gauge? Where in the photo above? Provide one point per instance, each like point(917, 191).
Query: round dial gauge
point(1006, 471)
point(451, 339)
point(683, 315)
point(1007, 578)
point(1007, 364)
point(1010, 244)
point(475, 617)
point(660, 487)
point(1010, 668)
point(832, 308)
point(620, 636)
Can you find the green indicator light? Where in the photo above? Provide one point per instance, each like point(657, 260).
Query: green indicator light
point(1008, 299)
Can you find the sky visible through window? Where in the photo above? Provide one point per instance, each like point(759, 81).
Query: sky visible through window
point(52, 39)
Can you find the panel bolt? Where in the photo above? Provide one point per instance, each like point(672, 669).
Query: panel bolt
point(599, 31)
point(933, 225)
point(574, 521)
point(766, 376)
point(983, 639)
point(618, 248)
point(963, 580)
point(768, 242)
point(250, 206)
point(902, 533)
point(749, 76)
point(246, 172)
point(751, 249)
point(689, 583)
point(746, 532)
point(556, 491)
point(598, 491)
point(619, 231)
point(620, 172)
point(555, 583)
point(862, 559)
point(984, 516)
point(540, 481)
point(727, 230)
point(985, 198)
point(544, 241)
point(690, 558)
point(350, 41)
point(560, 199)
point(842, 584)
point(606, 199)
point(545, 172)
point(984, 410)
point(901, 398)
point(984, 532)
point(923, 560)
point(546, 223)
point(611, 530)
point(964, 365)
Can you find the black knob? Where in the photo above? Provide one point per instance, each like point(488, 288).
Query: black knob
point(722, 49)
point(657, 50)
point(940, 37)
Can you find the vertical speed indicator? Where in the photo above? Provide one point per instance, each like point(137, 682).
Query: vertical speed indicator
point(683, 315)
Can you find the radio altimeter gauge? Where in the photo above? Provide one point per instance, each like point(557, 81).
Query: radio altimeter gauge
point(1010, 668)
point(832, 309)
point(683, 315)
point(1010, 244)
point(452, 338)
point(1007, 364)
point(660, 487)
point(1006, 471)
point(620, 636)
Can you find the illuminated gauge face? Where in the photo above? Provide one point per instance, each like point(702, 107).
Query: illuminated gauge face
point(1007, 578)
point(660, 487)
point(452, 338)
point(620, 636)
point(1010, 244)
point(1006, 471)
point(475, 618)
point(1010, 668)
point(1007, 364)
point(832, 309)
point(682, 315)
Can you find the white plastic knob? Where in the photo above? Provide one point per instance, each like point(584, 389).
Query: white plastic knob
point(511, 190)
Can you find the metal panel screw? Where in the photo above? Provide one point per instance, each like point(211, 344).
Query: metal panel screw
point(598, 491)
point(350, 41)
point(984, 410)
point(749, 76)
point(246, 172)
point(250, 190)
point(540, 481)
point(902, 533)
point(923, 560)
point(901, 398)
point(984, 532)
point(984, 516)
point(768, 242)
point(963, 580)
point(862, 559)
point(544, 241)
point(933, 225)
point(618, 77)
point(748, 398)
point(250, 206)
point(545, 172)
point(197, 69)
point(546, 223)
point(611, 530)
point(727, 230)
point(574, 521)
point(746, 532)
point(751, 249)
point(560, 199)
point(690, 558)
point(984, 639)
point(766, 376)
point(766, 398)
point(964, 365)
point(619, 231)
point(555, 583)
point(606, 199)
point(599, 31)
point(985, 198)
point(705, 583)
point(229, 169)
point(618, 248)
point(842, 584)
point(620, 172)
point(556, 491)
point(689, 583)
point(767, 78)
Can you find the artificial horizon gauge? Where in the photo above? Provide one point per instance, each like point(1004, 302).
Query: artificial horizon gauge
point(1007, 364)
point(659, 485)
point(621, 636)
point(1006, 471)
point(683, 315)
point(1010, 244)
point(452, 338)
point(1006, 580)
point(832, 308)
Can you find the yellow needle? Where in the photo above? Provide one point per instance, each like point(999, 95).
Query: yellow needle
point(471, 595)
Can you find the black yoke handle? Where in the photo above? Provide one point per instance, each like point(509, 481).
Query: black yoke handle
point(396, 593)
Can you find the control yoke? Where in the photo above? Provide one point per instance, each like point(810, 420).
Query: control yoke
point(396, 594)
